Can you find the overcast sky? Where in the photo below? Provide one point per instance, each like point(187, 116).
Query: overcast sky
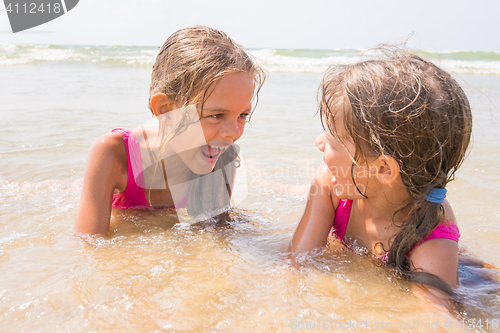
point(437, 25)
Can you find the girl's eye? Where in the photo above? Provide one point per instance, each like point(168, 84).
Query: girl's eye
point(244, 115)
point(217, 116)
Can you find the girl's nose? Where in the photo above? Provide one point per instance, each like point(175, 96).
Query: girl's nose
point(232, 129)
point(320, 142)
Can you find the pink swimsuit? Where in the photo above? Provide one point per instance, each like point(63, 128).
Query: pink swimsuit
point(134, 195)
point(446, 230)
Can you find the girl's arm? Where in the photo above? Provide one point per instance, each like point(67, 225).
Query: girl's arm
point(106, 170)
point(317, 220)
point(438, 257)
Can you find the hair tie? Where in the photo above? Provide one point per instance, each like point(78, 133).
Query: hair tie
point(436, 195)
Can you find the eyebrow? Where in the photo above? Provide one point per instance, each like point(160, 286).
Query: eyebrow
point(217, 109)
point(333, 136)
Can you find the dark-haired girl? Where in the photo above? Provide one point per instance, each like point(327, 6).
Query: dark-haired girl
point(397, 129)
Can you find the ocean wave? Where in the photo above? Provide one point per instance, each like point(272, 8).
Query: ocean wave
point(273, 60)
point(279, 61)
point(470, 67)
point(108, 55)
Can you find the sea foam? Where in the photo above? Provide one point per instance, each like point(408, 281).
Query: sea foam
point(273, 60)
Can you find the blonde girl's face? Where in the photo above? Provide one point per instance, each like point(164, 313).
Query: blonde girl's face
point(338, 151)
point(221, 122)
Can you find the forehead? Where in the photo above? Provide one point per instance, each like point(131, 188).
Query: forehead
point(232, 88)
point(333, 117)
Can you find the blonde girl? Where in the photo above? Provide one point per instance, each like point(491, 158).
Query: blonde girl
point(202, 88)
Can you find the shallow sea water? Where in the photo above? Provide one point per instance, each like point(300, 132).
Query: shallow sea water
point(155, 275)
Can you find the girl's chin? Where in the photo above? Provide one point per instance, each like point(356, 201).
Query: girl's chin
point(341, 192)
point(202, 166)
point(350, 194)
point(198, 163)
point(201, 172)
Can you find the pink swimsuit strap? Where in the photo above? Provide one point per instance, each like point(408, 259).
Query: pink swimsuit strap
point(342, 218)
point(134, 195)
point(444, 230)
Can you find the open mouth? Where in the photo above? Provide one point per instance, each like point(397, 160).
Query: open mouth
point(211, 151)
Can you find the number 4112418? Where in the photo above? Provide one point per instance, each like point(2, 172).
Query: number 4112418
point(33, 8)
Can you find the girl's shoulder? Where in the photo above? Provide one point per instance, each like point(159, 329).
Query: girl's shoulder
point(438, 252)
point(109, 149)
point(111, 143)
point(438, 256)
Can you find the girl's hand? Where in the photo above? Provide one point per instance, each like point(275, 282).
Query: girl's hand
point(317, 220)
point(433, 299)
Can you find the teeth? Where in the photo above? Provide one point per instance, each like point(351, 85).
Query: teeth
point(219, 147)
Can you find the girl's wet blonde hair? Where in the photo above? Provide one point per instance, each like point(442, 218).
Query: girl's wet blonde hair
point(192, 59)
point(410, 109)
point(189, 64)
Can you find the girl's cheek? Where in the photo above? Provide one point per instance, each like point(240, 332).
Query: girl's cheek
point(242, 128)
point(329, 159)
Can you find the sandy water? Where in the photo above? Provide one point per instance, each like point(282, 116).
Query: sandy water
point(152, 274)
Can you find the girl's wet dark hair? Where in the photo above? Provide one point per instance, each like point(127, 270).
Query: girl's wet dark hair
point(408, 108)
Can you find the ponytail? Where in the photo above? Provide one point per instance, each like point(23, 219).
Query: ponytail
point(424, 216)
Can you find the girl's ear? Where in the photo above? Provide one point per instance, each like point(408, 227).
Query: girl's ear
point(387, 169)
point(161, 104)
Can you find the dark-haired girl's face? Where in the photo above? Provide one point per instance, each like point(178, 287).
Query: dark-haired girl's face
point(338, 151)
